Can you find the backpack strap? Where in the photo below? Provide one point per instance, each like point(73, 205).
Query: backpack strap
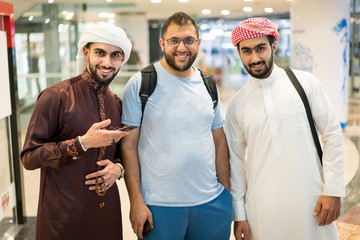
point(305, 101)
point(149, 80)
point(210, 84)
point(148, 84)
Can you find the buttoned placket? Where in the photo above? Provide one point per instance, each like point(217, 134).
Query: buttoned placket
point(270, 113)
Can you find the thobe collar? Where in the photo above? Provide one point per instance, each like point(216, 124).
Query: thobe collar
point(93, 84)
point(273, 125)
point(269, 80)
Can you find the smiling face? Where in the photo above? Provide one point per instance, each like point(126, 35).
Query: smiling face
point(181, 57)
point(103, 61)
point(257, 56)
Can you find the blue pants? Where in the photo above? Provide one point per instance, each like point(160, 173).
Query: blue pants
point(210, 221)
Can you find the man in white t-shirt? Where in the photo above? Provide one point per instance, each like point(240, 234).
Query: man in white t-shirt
point(176, 163)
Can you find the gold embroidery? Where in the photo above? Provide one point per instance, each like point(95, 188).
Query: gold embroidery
point(101, 102)
point(87, 77)
point(100, 92)
point(114, 127)
point(71, 149)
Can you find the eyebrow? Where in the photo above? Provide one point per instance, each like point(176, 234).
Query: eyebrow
point(100, 49)
point(259, 45)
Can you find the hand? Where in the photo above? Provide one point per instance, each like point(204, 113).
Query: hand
point(97, 137)
point(110, 172)
point(139, 213)
point(241, 230)
point(329, 209)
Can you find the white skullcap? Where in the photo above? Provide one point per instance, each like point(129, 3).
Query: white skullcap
point(104, 33)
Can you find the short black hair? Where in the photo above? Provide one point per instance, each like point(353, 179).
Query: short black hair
point(271, 39)
point(181, 19)
point(88, 45)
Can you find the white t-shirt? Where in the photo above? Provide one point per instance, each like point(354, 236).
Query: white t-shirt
point(176, 148)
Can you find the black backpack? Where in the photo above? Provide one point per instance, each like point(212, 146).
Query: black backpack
point(149, 80)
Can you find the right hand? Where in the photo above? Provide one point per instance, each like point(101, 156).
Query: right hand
point(241, 230)
point(139, 213)
point(97, 137)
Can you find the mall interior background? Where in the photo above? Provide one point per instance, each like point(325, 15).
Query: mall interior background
point(46, 45)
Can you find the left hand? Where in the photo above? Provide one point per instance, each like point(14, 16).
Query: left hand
point(329, 209)
point(110, 172)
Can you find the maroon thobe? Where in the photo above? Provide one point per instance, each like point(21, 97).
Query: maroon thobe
point(67, 208)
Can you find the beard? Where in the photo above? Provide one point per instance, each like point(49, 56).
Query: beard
point(264, 72)
point(170, 59)
point(100, 79)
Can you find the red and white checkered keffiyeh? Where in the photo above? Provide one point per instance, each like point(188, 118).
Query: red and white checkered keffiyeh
point(252, 28)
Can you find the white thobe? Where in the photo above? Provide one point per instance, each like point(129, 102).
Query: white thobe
point(276, 177)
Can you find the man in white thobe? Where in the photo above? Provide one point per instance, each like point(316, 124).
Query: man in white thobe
point(280, 189)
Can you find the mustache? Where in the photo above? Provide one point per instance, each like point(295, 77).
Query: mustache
point(175, 53)
point(107, 68)
point(253, 64)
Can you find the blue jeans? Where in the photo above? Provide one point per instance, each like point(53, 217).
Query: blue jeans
point(210, 221)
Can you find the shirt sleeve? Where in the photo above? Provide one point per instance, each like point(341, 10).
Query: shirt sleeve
point(41, 149)
point(218, 121)
point(332, 139)
point(131, 103)
point(237, 148)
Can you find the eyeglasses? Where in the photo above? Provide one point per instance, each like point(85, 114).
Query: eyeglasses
point(173, 42)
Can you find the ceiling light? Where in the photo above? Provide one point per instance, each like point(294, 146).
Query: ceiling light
point(247, 9)
point(248, 0)
point(50, 1)
point(69, 15)
point(203, 26)
point(206, 11)
point(109, 1)
point(156, 1)
point(103, 15)
point(217, 32)
point(183, 1)
point(31, 18)
point(268, 10)
point(111, 15)
point(208, 36)
point(225, 12)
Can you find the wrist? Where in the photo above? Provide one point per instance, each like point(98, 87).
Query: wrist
point(122, 171)
point(81, 144)
point(84, 142)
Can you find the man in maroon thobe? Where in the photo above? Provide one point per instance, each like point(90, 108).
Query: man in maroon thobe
point(71, 138)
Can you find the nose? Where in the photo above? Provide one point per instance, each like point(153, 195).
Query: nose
point(107, 61)
point(182, 45)
point(255, 57)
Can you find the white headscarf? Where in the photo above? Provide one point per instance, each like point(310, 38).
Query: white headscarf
point(104, 33)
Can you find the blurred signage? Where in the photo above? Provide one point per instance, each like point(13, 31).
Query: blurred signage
point(7, 200)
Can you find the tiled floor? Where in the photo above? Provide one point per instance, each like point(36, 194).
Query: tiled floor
point(348, 223)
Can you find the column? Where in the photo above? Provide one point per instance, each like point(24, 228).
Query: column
point(320, 43)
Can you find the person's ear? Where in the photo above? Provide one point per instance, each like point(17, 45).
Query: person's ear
point(86, 52)
point(162, 42)
point(274, 47)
